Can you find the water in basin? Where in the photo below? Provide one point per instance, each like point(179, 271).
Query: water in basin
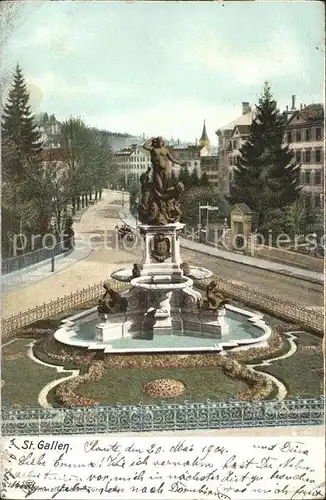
point(239, 329)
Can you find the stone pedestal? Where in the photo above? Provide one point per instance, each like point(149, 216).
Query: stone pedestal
point(165, 264)
point(222, 322)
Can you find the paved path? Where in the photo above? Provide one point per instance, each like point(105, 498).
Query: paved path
point(97, 223)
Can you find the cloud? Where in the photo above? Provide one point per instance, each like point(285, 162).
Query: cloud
point(61, 36)
point(279, 57)
point(54, 86)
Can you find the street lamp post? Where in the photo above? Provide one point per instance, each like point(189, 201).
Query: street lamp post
point(123, 197)
point(53, 224)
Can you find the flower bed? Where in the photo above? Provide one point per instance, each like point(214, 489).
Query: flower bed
point(164, 388)
point(65, 392)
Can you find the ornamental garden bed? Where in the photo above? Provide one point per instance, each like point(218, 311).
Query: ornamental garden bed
point(23, 379)
point(302, 373)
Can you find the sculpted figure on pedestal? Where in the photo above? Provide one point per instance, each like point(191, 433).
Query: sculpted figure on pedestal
point(159, 203)
point(214, 299)
point(111, 302)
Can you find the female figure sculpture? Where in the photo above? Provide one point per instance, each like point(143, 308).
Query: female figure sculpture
point(160, 158)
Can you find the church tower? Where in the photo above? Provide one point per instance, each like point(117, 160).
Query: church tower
point(204, 143)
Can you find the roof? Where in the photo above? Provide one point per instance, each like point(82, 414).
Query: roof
point(243, 207)
point(310, 112)
point(244, 119)
point(204, 140)
point(243, 129)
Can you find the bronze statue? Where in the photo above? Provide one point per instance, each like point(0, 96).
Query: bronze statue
point(160, 158)
point(161, 250)
point(136, 270)
point(214, 299)
point(159, 204)
point(111, 302)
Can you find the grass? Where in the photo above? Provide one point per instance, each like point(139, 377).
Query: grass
point(298, 372)
point(125, 386)
point(23, 378)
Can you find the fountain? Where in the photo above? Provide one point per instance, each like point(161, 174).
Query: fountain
point(162, 311)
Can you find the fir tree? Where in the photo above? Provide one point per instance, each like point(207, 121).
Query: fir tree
point(267, 177)
point(194, 178)
point(184, 176)
point(204, 180)
point(18, 129)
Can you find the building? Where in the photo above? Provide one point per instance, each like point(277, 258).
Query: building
point(132, 162)
point(209, 165)
point(305, 135)
point(189, 155)
point(230, 139)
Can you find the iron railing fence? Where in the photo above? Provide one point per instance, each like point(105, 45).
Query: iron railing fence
point(304, 315)
point(163, 417)
point(57, 306)
point(29, 259)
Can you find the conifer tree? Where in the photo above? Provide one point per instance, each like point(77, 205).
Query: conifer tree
point(18, 129)
point(204, 180)
point(194, 178)
point(267, 176)
point(184, 176)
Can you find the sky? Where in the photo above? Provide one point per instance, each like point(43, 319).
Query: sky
point(161, 68)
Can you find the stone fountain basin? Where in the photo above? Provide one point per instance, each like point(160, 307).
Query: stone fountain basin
point(162, 283)
point(125, 274)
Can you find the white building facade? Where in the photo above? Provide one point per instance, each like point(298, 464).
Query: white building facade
point(132, 162)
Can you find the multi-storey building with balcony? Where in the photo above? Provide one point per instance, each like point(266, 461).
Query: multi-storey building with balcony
point(132, 162)
point(305, 135)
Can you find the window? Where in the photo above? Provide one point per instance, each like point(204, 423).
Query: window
point(307, 156)
point(298, 156)
point(318, 155)
point(318, 177)
point(308, 134)
point(289, 135)
point(234, 145)
point(318, 134)
point(307, 177)
point(298, 135)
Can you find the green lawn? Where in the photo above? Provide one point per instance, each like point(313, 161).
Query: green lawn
point(125, 385)
point(23, 378)
point(298, 372)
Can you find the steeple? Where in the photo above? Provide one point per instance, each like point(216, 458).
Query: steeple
point(204, 142)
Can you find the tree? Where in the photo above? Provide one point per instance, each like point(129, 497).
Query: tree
point(204, 180)
point(267, 176)
point(295, 219)
point(184, 176)
point(76, 143)
point(20, 145)
point(18, 128)
point(194, 178)
point(196, 196)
